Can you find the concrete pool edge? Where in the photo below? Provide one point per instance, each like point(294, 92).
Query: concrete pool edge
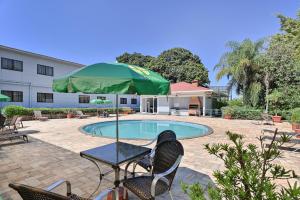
point(209, 129)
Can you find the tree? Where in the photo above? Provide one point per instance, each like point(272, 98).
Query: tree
point(249, 172)
point(136, 59)
point(239, 64)
point(177, 64)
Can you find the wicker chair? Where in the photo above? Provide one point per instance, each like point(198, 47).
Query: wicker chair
point(2, 121)
point(146, 162)
point(32, 193)
point(167, 158)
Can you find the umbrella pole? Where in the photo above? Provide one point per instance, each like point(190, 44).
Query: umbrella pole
point(117, 114)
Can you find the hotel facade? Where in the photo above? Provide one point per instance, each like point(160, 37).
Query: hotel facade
point(27, 77)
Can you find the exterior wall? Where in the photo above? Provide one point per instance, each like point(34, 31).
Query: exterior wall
point(30, 83)
point(163, 106)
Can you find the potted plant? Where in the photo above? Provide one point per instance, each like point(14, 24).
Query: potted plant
point(275, 101)
point(295, 119)
point(70, 114)
point(227, 112)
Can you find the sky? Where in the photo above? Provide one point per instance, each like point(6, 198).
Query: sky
point(94, 31)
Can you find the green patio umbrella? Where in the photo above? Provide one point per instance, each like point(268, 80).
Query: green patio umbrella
point(4, 98)
point(100, 101)
point(113, 78)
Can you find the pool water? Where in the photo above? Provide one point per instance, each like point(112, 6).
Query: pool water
point(146, 129)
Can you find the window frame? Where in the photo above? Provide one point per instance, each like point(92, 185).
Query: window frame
point(132, 102)
point(38, 98)
point(13, 64)
point(83, 96)
point(15, 96)
point(123, 98)
point(101, 97)
point(44, 69)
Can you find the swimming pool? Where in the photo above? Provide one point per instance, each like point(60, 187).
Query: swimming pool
point(146, 129)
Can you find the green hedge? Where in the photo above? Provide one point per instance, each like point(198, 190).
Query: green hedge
point(12, 110)
point(237, 112)
point(244, 112)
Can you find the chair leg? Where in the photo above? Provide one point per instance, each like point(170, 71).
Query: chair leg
point(171, 195)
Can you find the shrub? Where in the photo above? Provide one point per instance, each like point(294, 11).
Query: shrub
point(295, 118)
point(242, 112)
point(235, 102)
point(219, 103)
point(11, 110)
point(249, 172)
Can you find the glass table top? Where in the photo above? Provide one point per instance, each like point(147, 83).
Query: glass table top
point(116, 153)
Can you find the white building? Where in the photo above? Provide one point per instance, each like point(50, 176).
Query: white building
point(185, 99)
point(27, 77)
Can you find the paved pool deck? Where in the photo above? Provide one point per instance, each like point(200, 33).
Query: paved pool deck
point(53, 153)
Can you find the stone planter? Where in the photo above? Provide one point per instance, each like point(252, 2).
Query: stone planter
point(227, 116)
point(70, 115)
point(295, 126)
point(276, 119)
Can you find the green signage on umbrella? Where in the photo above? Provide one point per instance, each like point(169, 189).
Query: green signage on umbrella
point(4, 98)
point(113, 78)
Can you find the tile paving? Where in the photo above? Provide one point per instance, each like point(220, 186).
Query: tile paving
point(53, 154)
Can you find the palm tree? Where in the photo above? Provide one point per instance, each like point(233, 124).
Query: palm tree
point(240, 66)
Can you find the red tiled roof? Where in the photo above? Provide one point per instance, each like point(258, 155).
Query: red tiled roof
point(184, 86)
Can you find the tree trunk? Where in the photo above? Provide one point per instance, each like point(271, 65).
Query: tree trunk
point(267, 84)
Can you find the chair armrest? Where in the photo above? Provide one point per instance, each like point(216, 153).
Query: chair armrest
point(161, 175)
point(103, 194)
point(128, 164)
point(58, 183)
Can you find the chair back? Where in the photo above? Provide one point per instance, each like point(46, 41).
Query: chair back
point(166, 135)
point(79, 112)
point(2, 121)
point(32, 193)
point(37, 113)
point(166, 154)
point(13, 120)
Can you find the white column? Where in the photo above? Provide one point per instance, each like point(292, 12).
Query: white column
point(141, 104)
point(203, 105)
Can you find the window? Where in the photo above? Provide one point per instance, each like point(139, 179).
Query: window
point(45, 70)
point(84, 99)
point(123, 100)
point(45, 97)
point(133, 101)
point(101, 97)
point(15, 96)
point(11, 64)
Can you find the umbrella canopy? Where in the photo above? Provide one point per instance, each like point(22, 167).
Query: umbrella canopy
point(100, 101)
point(4, 98)
point(113, 78)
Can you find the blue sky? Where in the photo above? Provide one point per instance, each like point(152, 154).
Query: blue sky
point(97, 31)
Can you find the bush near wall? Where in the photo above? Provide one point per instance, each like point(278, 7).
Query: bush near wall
point(12, 110)
point(244, 112)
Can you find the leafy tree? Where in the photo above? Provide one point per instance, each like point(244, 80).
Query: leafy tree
point(239, 64)
point(249, 172)
point(136, 59)
point(177, 64)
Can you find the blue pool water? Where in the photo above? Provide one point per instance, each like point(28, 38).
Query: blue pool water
point(146, 129)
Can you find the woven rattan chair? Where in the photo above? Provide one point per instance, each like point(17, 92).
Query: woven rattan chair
point(146, 162)
point(32, 193)
point(167, 158)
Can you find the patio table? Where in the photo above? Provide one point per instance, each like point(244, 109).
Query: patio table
point(114, 155)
